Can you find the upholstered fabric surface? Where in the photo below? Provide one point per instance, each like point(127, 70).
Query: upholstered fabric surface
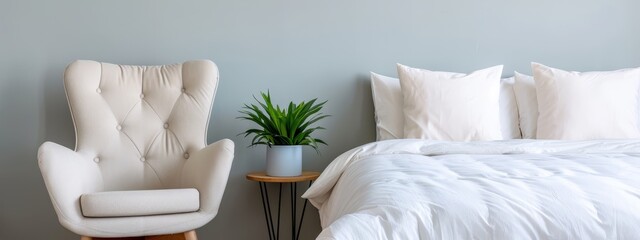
point(137, 128)
point(139, 203)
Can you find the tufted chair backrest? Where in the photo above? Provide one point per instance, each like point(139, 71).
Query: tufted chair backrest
point(139, 123)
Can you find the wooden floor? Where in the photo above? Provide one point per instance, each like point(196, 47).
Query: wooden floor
point(190, 235)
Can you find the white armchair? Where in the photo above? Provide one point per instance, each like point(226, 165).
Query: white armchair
point(141, 166)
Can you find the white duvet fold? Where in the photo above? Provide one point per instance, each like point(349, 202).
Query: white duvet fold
point(515, 189)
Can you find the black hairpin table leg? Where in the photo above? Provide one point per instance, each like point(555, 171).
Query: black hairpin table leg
point(273, 229)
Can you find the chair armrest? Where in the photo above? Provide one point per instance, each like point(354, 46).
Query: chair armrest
point(208, 171)
point(67, 175)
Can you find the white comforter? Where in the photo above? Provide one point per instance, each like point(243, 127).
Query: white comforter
point(516, 189)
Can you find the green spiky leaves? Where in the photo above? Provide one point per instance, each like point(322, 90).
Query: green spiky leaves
point(283, 126)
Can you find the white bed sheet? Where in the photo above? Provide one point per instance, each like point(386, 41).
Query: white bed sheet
point(513, 189)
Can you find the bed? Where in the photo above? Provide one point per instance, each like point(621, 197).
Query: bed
point(578, 183)
point(515, 189)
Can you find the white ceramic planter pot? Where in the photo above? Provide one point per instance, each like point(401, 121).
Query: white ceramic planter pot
point(284, 160)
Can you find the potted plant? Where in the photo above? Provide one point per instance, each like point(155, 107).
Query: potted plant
point(284, 131)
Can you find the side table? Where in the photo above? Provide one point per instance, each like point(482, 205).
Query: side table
point(262, 178)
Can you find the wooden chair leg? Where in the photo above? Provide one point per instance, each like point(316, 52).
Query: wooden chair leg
point(190, 235)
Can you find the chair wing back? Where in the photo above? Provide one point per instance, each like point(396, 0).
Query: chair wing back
point(139, 123)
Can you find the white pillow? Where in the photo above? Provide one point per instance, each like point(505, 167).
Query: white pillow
point(387, 102)
point(451, 106)
point(525, 91)
point(587, 105)
point(389, 116)
point(509, 122)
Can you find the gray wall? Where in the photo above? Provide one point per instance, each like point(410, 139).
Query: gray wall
point(298, 49)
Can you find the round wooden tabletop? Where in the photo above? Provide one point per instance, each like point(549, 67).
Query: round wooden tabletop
point(263, 177)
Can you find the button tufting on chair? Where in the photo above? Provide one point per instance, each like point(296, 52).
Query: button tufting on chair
point(121, 180)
